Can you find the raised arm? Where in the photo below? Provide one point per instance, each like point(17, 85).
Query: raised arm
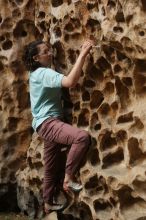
point(72, 78)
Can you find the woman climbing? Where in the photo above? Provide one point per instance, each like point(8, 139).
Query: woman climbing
point(45, 96)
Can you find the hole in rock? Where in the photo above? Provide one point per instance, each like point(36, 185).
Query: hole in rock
point(118, 29)
point(103, 64)
point(60, 55)
point(8, 196)
point(126, 199)
point(2, 38)
point(109, 88)
point(129, 49)
point(121, 56)
point(42, 14)
point(141, 65)
point(66, 37)
point(104, 109)
point(107, 141)
point(111, 3)
point(88, 83)
point(38, 155)
point(114, 106)
point(125, 118)
point(129, 18)
point(76, 22)
point(139, 81)
point(109, 52)
point(16, 13)
point(113, 202)
point(35, 181)
point(139, 186)
point(127, 81)
point(84, 212)
point(6, 154)
point(12, 123)
point(141, 33)
point(94, 157)
point(97, 127)
point(86, 96)
point(93, 24)
point(42, 25)
point(57, 31)
point(24, 26)
point(94, 119)
point(83, 119)
point(117, 68)
point(134, 151)
point(19, 2)
point(96, 99)
point(101, 205)
point(121, 135)
point(69, 27)
point(77, 106)
point(29, 162)
point(143, 4)
point(54, 20)
point(120, 17)
point(72, 56)
point(116, 45)
point(113, 158)
point(7, 23)
point(95, 73)
point(91, 6)
point(56, 3)
point(92, 182)
point(7, 45)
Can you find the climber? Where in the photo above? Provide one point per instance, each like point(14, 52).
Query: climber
point(48, 121)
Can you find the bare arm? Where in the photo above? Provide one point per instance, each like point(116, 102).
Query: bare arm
point(72, 78)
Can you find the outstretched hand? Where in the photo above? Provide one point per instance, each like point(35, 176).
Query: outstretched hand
point(86, 47)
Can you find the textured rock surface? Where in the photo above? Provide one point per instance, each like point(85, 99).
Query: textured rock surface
point(109, 101)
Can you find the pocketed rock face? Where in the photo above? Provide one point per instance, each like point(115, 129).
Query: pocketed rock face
point(109, 102)
point(15, 116)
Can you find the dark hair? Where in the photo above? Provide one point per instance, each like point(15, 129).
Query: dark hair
point(31, 50)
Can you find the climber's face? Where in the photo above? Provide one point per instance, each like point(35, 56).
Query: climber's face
point(44, 55)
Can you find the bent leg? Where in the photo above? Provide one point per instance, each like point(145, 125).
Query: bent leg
point(59, 132)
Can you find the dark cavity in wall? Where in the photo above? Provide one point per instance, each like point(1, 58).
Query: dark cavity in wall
point(56, 3)
point(8, 196)
point(143, 4)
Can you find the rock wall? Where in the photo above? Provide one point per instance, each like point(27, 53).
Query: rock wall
point(109, 102)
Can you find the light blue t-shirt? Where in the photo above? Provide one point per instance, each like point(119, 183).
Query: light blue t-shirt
point(45, 95)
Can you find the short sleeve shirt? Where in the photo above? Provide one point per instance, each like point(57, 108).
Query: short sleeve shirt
point(45, 95)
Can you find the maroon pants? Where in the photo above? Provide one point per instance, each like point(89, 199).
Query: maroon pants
point(55, 132)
